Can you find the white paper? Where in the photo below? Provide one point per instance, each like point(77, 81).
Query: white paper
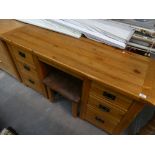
point(104, 31)
point(99, 31)
point(52, 26)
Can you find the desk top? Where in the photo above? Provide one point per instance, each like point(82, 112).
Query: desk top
point(128, 73)
point(8, 25)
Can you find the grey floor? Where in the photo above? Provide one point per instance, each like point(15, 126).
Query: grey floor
point(29, 113)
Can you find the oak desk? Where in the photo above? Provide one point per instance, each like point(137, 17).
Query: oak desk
point(116, 84)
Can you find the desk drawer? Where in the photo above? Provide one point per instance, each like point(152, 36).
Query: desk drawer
point(23, 55)
point(104, 107)
point(32, 83)
point(99, 121)
point(27, 70)
point(118, 100)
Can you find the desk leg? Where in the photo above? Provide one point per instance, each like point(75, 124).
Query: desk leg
point(74, 109)
point(50, 94)
point(84, 98)
point(42, 73)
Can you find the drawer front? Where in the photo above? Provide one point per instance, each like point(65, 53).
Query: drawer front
point(23, 56)
point(104, 107)
point(99, 121)
point(118, 100)
point(32, 83)
point(27, 70)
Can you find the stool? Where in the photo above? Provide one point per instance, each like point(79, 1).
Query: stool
point(66, 85)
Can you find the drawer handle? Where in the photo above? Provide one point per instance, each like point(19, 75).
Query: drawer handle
point(109, 96)
point(99, 119)
point(27, 67)
point(22, 54)
point(103, 108)
point(31, 81)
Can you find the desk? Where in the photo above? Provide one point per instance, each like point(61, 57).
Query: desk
point(116, 84)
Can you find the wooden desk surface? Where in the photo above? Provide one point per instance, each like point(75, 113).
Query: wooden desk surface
point(7, 25)
point(129, 73)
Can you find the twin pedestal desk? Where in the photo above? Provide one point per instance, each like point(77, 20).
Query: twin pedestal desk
point(116, 84)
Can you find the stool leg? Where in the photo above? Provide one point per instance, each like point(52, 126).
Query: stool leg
point(74, 109)
point(50, 94)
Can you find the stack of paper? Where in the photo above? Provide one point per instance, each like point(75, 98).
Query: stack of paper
point(105, 31)
point(52, 26)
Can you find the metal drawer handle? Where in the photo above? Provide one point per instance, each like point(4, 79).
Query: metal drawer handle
point(27, 67)
point(99, 119)
point(109, 96)
point(103, 108)
point(31, 81)
point(22, 54)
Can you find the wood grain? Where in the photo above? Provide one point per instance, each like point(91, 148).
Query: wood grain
point(105, 107)
point(100, 120)
point(120, 101)
point(6, 62)
point(7, 25)
point(112, 67)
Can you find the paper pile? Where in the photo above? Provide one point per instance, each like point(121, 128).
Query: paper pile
point(105, 31)
point(51, 25)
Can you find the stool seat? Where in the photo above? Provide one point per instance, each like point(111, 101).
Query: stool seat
point(67, 85)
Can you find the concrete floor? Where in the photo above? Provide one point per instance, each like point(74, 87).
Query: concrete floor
point(29, 113)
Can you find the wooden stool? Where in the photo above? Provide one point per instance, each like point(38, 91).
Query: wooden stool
point(66, 85)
